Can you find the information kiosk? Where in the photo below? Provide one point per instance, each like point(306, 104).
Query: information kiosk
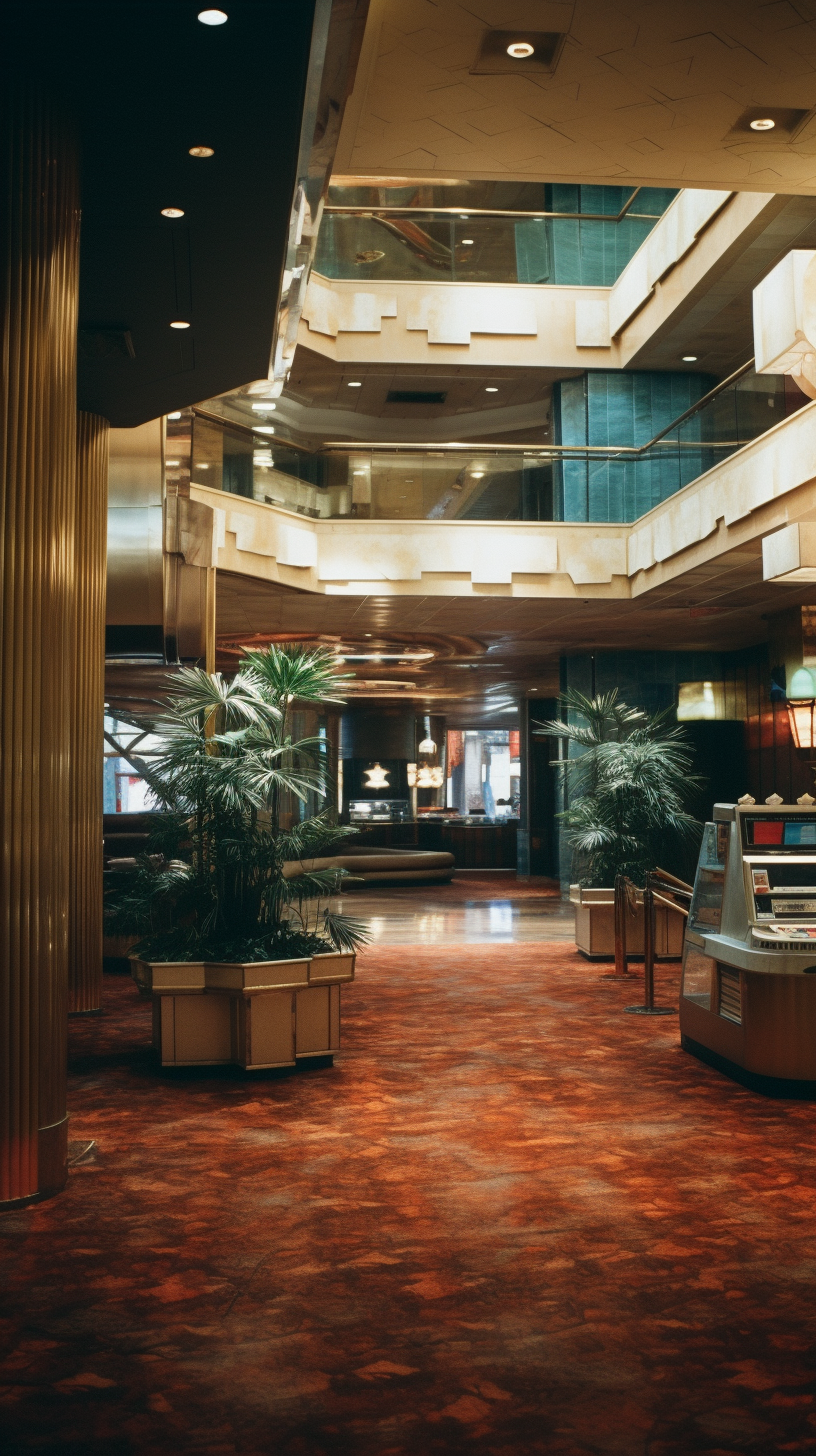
point(748, 1003)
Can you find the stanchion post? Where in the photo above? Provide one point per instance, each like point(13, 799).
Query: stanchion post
point(620, 916)
point(648, 945)
point(620, 925)
point(648, 1008)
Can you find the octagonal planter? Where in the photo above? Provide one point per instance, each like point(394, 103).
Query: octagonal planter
point(257, 1015)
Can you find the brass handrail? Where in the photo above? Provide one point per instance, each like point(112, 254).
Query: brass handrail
point(681, 884)
point(672, 904)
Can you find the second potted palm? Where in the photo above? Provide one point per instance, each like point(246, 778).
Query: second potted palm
point(628, 789)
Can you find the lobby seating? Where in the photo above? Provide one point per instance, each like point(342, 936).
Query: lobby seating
point(372, 866)
point(127, 836)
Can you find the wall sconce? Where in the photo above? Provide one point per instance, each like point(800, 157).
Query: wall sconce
point(377, 777)
point(801, 706)
point(700, 701)
point(429, 778)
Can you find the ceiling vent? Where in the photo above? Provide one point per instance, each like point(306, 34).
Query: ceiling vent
point(416, 396)
point(494, 59)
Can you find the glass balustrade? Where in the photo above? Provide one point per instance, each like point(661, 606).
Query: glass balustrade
point(605, 483)
point(583, 236)
point(574, 479)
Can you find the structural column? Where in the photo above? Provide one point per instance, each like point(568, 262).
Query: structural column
point(85, 977)
point(39, 237)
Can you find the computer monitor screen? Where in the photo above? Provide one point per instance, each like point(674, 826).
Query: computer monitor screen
point(767, 831)
point(800, 833)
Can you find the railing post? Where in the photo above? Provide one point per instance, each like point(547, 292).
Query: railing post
point(648, 945)
point(621, 910)
point(648, 1008)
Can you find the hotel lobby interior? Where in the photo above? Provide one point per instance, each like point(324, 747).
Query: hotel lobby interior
point(408, 762)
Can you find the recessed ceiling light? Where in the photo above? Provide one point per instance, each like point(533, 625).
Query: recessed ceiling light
point(264, 429)
point(464, 217)
point(172, 212)
point(213, 17)
point(477, 474)
point(467, 242)
point(491, 389)
point(689, 358)
point(179, 324)
point(202, 152)
point(265, 408)
point(176, 415)
point(355, 384)
point(763, 123)
point(518, 49)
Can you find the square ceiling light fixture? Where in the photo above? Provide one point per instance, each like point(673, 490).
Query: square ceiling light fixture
point(770, 124)
point(495, 58)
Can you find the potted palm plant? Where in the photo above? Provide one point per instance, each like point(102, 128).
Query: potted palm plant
point(234, 932)
point(627, 786)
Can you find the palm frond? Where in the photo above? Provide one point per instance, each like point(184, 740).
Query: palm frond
point(344, 932)
point(296, 673)
point(213, 883)
point(628, 784)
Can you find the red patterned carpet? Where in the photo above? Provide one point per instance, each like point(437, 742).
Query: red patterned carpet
point(511, 1219)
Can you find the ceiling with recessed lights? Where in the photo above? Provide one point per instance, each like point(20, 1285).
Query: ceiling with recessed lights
point(185, 208)
point(489, 651)
point(504, 404)
point(656, 94)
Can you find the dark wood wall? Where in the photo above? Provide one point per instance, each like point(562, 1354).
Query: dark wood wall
point(773, 764)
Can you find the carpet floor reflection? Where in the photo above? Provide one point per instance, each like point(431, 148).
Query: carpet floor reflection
point(511, 1220)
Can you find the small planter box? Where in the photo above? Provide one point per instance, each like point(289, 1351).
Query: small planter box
point(595, 927)
point(260, 1015)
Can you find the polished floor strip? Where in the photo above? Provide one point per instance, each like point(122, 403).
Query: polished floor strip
point(425, 919)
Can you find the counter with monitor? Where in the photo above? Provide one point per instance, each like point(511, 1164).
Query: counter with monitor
point(748, 1002)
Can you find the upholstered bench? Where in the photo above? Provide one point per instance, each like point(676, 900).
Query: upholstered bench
point(382, 866)
point(373, 866)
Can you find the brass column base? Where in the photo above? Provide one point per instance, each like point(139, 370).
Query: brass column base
point(52, 1156)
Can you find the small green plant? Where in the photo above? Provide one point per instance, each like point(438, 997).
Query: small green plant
point(627, 790)
point(212, 885)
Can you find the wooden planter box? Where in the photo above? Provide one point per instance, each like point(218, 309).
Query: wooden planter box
point(595, 927)
point(260, 1015)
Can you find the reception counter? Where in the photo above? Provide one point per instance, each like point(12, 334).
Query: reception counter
point(477, 844)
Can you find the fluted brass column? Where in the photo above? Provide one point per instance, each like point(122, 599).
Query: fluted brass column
point(85, 976)
point(39, 236)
